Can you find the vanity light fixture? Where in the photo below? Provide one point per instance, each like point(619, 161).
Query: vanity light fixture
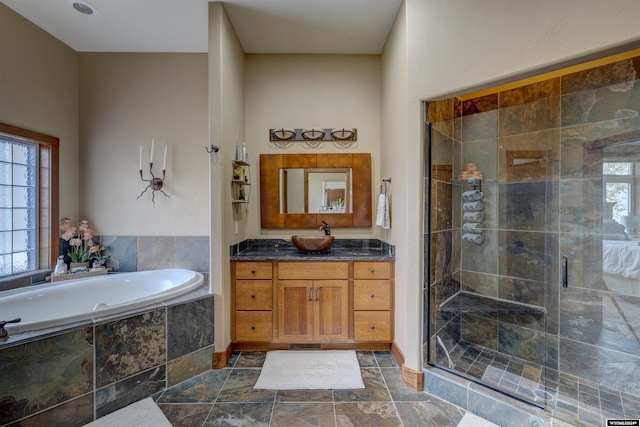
point(83, 7)
point(313, 137)
point(154, 183)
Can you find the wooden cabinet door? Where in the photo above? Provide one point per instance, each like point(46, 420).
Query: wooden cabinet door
point(331, 310)
point(254, 326)
point(313, 310)
point(254, 295)
point(372, 326)
point(295, 310)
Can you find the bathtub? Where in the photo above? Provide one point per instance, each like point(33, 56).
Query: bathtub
point(61, 303)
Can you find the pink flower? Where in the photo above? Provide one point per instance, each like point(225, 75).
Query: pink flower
point(80, 240)
point(68, 233)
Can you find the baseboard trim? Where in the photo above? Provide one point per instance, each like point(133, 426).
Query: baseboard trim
point(410, 378)
point(268, 346)
point(397, 354)
point(220, 358)
point(413, 379)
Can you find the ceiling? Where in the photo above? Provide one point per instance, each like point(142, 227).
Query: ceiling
point(263, 26)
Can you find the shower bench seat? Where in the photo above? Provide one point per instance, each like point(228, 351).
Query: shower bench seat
point(500, 309)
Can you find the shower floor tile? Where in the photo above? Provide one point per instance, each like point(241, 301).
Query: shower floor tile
point(561, 394)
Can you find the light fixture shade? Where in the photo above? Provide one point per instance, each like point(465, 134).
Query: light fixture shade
point(343, 134)
point(313, 134)
point(283, 134)
point(630, 221)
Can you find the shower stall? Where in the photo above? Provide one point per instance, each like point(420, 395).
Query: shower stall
point(532, 239)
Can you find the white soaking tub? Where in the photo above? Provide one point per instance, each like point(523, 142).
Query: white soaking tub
point(60, 303)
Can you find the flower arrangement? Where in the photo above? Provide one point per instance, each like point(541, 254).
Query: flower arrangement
point(82, 248)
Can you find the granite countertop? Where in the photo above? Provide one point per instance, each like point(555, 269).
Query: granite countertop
point(284, 250)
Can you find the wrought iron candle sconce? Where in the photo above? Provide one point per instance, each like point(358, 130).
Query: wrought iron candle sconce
point(154, 183)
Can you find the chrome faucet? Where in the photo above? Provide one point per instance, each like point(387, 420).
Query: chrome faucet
point(3, 331)
point(326, 228)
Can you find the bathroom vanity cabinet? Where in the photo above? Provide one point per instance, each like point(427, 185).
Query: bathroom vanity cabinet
point(339, 304)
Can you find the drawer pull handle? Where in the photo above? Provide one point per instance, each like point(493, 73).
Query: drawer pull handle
point(253, 327)
point(372, 270)
point(253, 295)
point(309, 294)
point(372, 327)
point(316, 293)
point(372, 295)
point(253, 271)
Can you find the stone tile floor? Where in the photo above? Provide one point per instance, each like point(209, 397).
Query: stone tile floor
point(225, 397)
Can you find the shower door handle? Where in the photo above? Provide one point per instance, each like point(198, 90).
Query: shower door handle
point(565, 271)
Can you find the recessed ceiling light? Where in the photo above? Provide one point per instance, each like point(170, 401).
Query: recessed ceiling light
point(83, 7)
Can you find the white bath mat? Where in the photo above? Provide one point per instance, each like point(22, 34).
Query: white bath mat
point(472, 420)
point(310, 369)
point(144, 413)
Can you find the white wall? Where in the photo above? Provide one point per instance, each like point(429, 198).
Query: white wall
point(226, 129)
point(465, 44)
point(126, 100)
point(396, 155)
point(301, 91)
point(39, 92)
point(459, 46)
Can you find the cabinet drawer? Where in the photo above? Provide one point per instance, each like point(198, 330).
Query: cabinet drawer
point(313, 270)
point(372, 326)
point(254, 295)
point(253, 270)
point(254, 325)
point(371, 295)
point(371, 270)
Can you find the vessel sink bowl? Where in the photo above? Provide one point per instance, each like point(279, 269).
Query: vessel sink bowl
point(313, 243)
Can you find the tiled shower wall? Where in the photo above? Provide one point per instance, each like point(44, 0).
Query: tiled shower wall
point(535, 212)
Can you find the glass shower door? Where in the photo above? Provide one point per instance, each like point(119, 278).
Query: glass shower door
point(599, 309)
point(491, 244)
point(535, 291)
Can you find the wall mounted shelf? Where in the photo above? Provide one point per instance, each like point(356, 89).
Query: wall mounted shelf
point(240, 183)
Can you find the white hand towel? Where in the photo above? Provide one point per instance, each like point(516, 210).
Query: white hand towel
point(473, 206)
point(476, 239)
point(473, 216)
point(382, 217)
point(472, 196)
point(472, 227)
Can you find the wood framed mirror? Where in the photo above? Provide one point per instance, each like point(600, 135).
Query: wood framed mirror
point(356, 205)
